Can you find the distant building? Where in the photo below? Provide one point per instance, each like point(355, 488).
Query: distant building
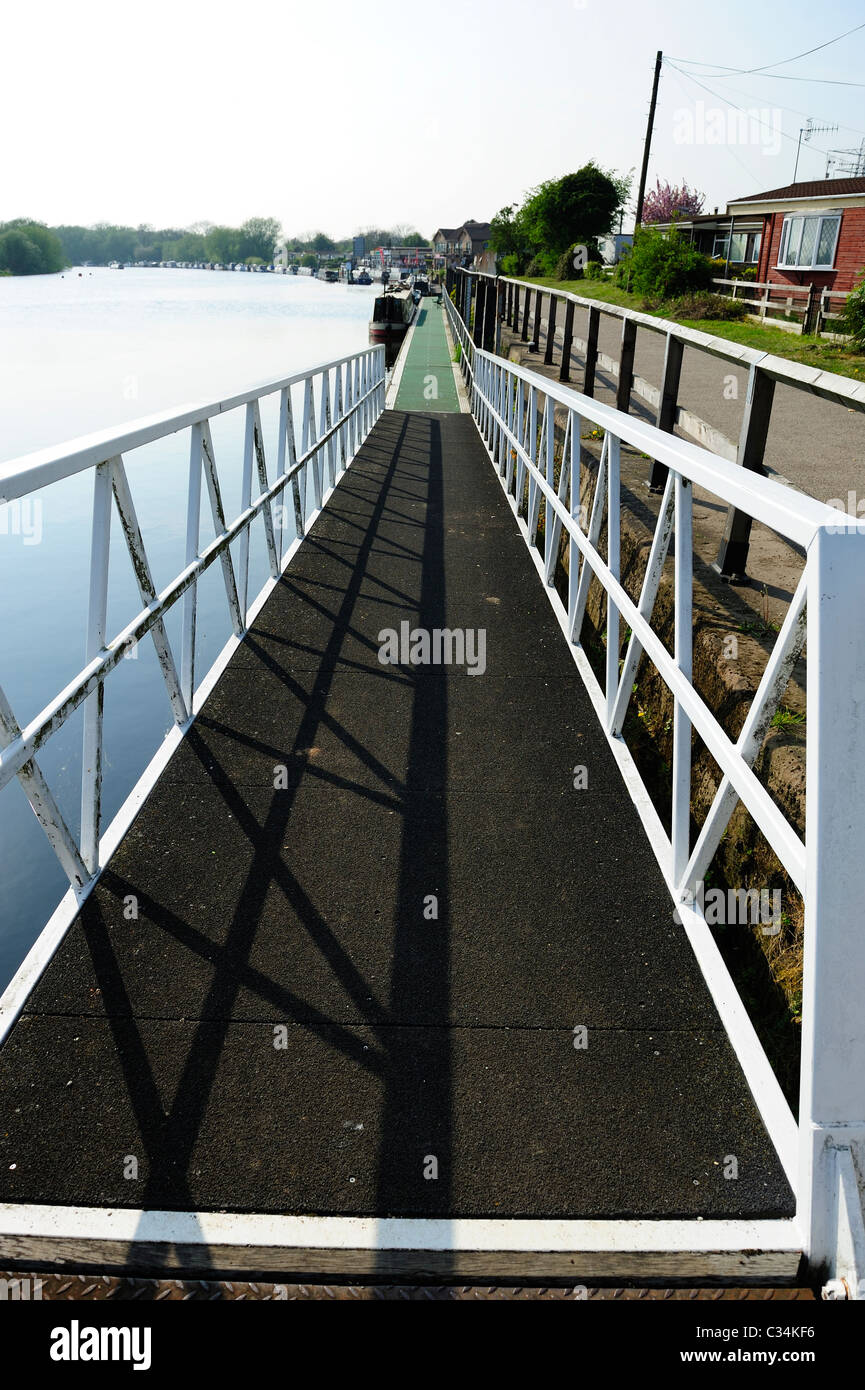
point(461, 245)
point(612, 246)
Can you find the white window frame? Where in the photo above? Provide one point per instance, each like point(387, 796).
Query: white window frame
point(819, 218)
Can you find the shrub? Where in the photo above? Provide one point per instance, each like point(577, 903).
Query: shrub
point(662, 263)
point(854, 316)
point(565, 268)
point(707, 306)
point(594, 271)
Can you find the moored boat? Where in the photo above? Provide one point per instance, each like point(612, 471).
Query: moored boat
point(391, 315)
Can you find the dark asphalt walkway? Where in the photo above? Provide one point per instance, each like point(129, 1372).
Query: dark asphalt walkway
point(301, 915)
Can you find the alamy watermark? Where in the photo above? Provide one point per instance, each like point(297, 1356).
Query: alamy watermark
point(22, 517)
point(741, 907)
point(713, 125)
point(441, 646)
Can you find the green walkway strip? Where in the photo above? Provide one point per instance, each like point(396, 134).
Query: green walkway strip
point(427, 382)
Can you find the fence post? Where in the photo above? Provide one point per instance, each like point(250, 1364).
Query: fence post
point(732, 561)
point(480, 311)
point(591, 352)
point(832, 1096)
point(500, 313)
point(812, 310)
point(551, 331)
point(524, 335)
point(666, 417)
point(567, 340)
point(536, 333)
point(626, 365)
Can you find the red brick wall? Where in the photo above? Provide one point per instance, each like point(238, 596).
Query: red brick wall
point(849, 254)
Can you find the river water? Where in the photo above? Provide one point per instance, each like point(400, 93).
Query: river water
point(89, 350)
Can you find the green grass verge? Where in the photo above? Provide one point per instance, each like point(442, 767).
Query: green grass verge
point(814, 352)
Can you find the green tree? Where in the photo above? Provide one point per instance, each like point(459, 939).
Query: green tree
point(575, 209)
point(223, 244)
point(258, 237)
point(30, 248)
point(323, 244)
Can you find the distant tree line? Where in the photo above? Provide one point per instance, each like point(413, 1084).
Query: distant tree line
point(99, 245)
point(29, 248)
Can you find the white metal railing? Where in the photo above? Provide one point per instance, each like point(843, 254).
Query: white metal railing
point(462, 338)
point(347, 395)
point(828, 867)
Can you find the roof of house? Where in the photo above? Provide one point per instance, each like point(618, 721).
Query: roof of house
point(478, 231)
point(816, 188)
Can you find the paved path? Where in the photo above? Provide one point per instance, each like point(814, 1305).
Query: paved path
point(356, 991)
point(816, 445)
point(428, 366)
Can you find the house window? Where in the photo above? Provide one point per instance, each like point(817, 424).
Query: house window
point(756, 242)
point(719, 249)
point(809, 242)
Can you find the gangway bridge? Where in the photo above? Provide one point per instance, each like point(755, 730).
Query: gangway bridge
point(388, 966)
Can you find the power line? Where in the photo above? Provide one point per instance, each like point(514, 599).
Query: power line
point(729, 148)
point(783, 61)
point(794, 111)
point(779, 77)
point(718, 96)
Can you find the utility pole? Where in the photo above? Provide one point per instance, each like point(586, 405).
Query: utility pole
point(648, 145)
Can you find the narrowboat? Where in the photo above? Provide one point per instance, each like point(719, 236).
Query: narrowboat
point(391, 315)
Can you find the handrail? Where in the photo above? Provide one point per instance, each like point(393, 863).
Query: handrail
point(515, 410)
point(828, 385)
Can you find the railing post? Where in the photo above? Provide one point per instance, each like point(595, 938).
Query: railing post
point(683, 638)
point(536, 327)
point(732, 561)
point(524, 335)
point(501, 291)
point(666, 418)
point(832, 1094)
point(591, 352)
point(515, 310)
point(551, 331)
point(567, 341)
point(626, 365)
point(614, 545)
point(190, 598)
point(91, 760)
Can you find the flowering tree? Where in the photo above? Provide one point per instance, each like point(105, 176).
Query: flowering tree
point(664, 202)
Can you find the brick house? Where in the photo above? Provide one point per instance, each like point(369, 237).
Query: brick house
point(461, 244)
point(813, 233)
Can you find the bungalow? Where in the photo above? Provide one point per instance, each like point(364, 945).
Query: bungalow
point(723, 236)
point(812, 233)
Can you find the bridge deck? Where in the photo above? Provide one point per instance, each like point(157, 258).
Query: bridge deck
point(407, 1038)
point(427, 380)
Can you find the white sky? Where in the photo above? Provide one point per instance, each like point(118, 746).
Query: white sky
point(338, 115)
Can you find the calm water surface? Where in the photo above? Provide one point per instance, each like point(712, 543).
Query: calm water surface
point(87, 351)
